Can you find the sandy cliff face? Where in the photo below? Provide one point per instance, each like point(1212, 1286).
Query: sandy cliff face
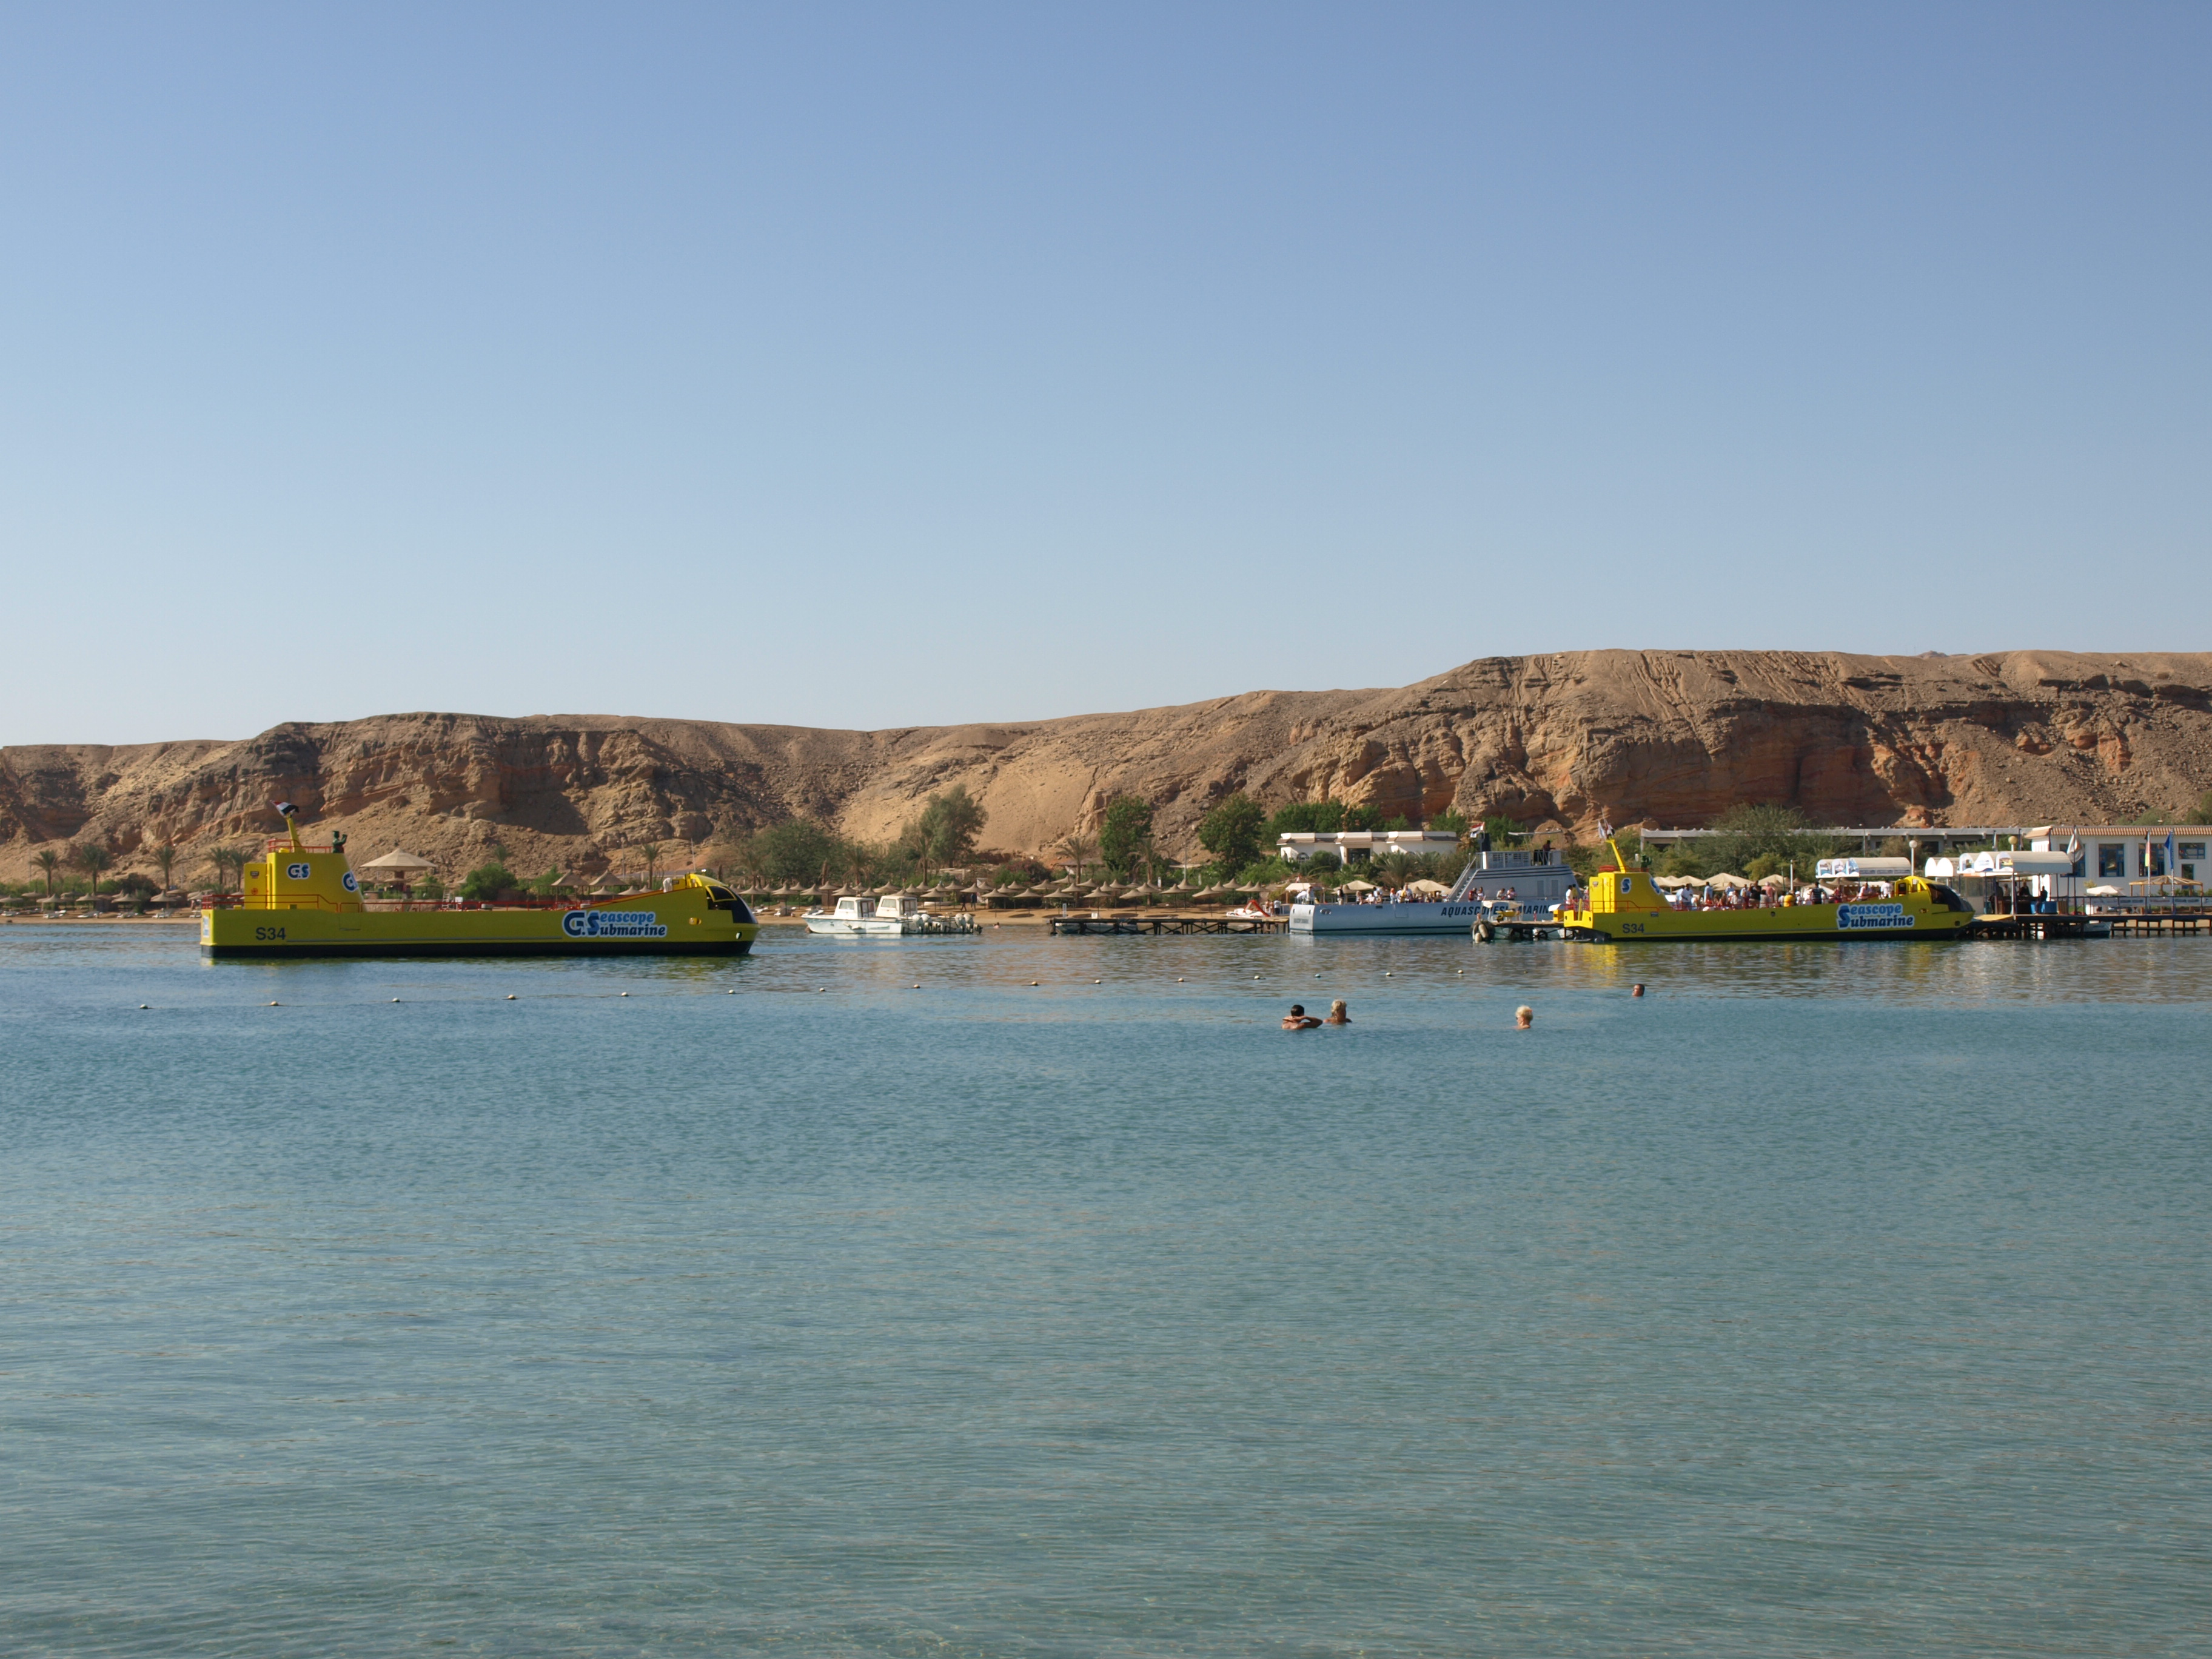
point(1659, 737)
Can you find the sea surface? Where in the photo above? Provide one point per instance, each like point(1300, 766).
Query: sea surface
point(866, 1298)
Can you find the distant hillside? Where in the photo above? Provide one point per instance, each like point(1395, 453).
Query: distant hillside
point(1660, 737)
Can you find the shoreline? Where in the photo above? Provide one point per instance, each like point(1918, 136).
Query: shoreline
point(985, 922)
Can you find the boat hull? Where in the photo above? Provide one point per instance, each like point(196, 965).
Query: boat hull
point(1800, 921)
point(672, 924)
point(1438, 918)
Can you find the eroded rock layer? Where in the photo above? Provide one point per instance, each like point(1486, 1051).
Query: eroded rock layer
point(1654, 737)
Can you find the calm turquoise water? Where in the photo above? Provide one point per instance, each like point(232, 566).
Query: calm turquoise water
point(1829, 1299)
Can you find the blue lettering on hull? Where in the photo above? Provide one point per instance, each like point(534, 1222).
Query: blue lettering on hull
point(613, 924)
point(1849, 916)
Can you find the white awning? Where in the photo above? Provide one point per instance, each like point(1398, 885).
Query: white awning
point(2034, 864)
point(2015, 864)
point(1862, 869)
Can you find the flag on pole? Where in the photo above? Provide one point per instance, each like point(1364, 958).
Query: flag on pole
point(2171, 866)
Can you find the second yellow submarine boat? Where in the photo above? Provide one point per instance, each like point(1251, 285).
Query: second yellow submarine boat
point(1622, 907)
point(302, 899)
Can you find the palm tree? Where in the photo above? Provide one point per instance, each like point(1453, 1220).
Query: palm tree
point(652, 851)
point(92, 858)
point(224, 859)
point(165, 859)
point(1080, 849)
point(48, 861)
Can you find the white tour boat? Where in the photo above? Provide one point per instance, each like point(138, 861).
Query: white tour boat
point(1523, 885)
point(892, 917)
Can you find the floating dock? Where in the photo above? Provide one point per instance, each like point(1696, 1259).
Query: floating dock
point(1168, 925)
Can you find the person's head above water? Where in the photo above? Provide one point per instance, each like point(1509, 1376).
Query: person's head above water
point(1637, 992)
point(1337, 1015)
point(1524, 1017)
point(1298, 1019)
point(1297, 1008)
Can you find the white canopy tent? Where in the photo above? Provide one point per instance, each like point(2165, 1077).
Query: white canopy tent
point(399, 862)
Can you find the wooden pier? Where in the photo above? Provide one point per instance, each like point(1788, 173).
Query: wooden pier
point(2146, 924)
point(2151, 924)
point(1156, 924)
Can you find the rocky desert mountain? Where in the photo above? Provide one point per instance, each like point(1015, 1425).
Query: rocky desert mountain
point(1653, 737)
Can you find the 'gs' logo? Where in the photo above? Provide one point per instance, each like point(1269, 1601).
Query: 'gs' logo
point(299, 871)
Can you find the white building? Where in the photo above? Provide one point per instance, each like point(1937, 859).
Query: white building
point(2113, 854)
point(1296, 846)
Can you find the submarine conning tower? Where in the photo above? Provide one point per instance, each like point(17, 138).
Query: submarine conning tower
point(293, 874)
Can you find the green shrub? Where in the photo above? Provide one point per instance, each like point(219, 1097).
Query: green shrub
point(488, 881)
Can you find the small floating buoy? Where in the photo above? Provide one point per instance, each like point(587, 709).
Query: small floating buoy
point(1178, 979)
point(917, 985)
point(395, 999)
point(1097, 982)
point(1386, 972)
point(510, 996)
point(1032, 982)
point(142, 1004)
point(729, 994)
point(1255, 976)
point(274, 1005)
point(622, 994)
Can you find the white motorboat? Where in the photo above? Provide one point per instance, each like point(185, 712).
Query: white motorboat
point(892, 917)
point(1520, 885)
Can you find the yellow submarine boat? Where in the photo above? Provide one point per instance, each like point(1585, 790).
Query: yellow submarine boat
point(1622, 907)
point(303, 900)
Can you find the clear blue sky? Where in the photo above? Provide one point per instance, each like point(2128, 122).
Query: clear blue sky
point(885, 366)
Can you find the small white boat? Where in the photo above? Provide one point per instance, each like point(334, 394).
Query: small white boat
point(892, 917)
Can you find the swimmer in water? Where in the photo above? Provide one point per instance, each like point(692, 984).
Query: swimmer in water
point(1298, 1019)
point(1337, 1015)
point(1637, 992)
point(1523, 1017)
